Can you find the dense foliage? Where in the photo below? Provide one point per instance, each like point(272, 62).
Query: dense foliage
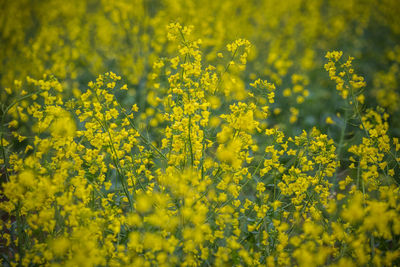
point(200, 133)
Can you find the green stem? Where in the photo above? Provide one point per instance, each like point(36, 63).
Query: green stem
point(342, 133)
point(190, 142)
point(3, 130)
point(225, 71)
point(116, 160)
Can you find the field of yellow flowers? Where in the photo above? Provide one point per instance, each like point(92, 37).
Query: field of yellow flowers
point(200, 133)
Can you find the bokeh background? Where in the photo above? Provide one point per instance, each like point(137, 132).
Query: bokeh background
point(77, 40)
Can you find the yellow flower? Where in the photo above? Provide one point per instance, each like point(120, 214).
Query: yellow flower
point(329, 120)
